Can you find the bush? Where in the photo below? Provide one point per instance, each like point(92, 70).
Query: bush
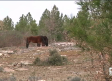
point(76, 79)
point(56, 59)
point(10, 38)
point(53, 59)
point(12, 78)
point(1, 69)
point(37, 61)
point(53, 52)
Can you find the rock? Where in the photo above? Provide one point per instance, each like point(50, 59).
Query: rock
point(7, 52)
point(63, 55)
point(40, 80)
point(1, 54)
point(10, 52)
point(25, 62)
point(21, 69)
point(8, 70)
point(1, 64)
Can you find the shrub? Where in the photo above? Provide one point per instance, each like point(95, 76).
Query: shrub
point(12, 78)
point(53, 59)
point(76, 79)
point(53, 52)
point(37, 61)
point(1, 69)
point(56, 59)
point(10, 38)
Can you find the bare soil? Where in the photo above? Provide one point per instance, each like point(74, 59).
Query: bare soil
point(20, 65)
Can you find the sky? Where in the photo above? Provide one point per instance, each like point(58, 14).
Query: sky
point(15, 9)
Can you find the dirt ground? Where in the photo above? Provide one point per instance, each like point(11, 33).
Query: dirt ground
point(18, 65)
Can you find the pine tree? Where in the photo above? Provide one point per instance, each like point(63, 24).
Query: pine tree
point(27, 24)
point(8, 24)
point(51, 24)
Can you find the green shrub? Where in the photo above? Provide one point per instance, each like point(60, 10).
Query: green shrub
point(37, 61)
point(1, 69)
point(53, 52)
point(53, 59)
point(56, 59)
point(12, 78)
point(76, 79)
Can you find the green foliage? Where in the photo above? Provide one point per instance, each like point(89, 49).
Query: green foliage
point(8, 24)
point(54, 59)
point(93, 27)
point(22, 24)
point(37, 61)
point(53, 52)
point(27, 24)
point(1, 69)
point(76, 79)
point(34, 28)
point(51, 24)
point(12, 78)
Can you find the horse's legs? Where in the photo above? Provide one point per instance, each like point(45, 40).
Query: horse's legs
point(27, 44)
point(43, 44)
point(38, 45)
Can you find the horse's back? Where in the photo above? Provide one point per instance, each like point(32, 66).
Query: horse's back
point(34, 39)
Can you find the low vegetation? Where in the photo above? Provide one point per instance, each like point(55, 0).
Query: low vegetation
point(54, 59)
point(1, 69)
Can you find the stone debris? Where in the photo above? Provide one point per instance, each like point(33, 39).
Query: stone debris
point(63, 44)
point(21, 63)
point(8, 70)
point(1, 64)
point(21, 69)
point(26, 62)
point(41, 80)
point(1, 54)
point(6, 52)
point(63, 55)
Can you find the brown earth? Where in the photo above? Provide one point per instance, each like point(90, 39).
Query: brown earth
point(19, 65)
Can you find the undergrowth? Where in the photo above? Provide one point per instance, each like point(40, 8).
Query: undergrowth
point(54, 59)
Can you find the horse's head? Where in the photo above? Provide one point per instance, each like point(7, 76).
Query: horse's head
point(45, 40)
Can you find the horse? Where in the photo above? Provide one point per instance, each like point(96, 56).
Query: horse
point(36, 39)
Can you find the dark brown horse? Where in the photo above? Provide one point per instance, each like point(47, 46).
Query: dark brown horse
point(35, 39)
